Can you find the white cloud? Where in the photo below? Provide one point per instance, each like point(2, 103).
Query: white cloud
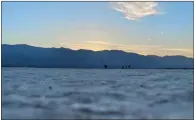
point(135, 10)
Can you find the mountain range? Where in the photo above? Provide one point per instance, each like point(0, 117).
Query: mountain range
point(21, 55)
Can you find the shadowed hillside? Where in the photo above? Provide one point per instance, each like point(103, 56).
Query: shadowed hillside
point(29, 56)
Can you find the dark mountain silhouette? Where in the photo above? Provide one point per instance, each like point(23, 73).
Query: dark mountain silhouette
point(22, 55)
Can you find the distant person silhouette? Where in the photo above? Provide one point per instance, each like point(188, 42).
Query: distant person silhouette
point(105, 66)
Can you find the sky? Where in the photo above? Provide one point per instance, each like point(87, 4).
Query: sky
point(148, 28)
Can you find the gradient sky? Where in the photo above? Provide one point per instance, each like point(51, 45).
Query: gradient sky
point(161, 28)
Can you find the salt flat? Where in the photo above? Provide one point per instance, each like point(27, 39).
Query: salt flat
point(96, 93)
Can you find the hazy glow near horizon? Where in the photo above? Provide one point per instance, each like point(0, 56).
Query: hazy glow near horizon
point(149, 28)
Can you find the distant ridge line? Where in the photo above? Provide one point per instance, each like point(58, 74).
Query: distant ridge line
point(22, 55)
point(92, 50)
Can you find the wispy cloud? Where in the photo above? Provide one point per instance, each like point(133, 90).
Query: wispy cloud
point(112, 45)
point(178, 49)
point(135, 10)
point(97, 42)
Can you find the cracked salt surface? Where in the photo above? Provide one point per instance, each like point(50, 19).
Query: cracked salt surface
point(96, 93)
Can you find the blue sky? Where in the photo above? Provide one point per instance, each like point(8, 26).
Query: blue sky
point(156, 28)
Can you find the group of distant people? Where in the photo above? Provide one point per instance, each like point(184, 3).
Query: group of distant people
point(123, 67)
